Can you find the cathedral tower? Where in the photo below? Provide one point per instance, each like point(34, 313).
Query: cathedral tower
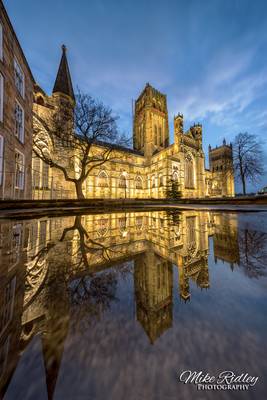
point(221, 166)
point(151, 129)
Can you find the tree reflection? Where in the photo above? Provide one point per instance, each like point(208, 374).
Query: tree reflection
point(87, 247)
point(94, 292)
point(253, 252)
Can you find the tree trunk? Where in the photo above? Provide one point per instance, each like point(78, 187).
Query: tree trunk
point(79, 191)
point(243, 184)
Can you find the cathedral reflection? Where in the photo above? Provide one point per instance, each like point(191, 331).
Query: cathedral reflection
point(49, 265)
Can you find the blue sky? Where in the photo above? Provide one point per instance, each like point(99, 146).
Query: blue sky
point(208, 56)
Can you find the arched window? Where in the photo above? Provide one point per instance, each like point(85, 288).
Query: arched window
point(102, 179)
point(122, 181)
point(191, 235)
point(160, 136)
point(155, 134)
point(122, 224)
point(40, 100)
point(36, 171)
point(45, 175)
point(175, 177)
point(40, 173)
point(153, 181)
point(102, 226)
point(139, 223)
point(189, 172)
point(161, 181)
point(139, 182)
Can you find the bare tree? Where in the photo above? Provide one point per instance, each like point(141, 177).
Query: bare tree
point(248, 158)
point(253, 252)
point(85, 138)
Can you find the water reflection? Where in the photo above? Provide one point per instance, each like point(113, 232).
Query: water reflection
point(56, 273)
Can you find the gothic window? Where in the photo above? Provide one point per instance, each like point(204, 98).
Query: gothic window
point(160, 136)
point(36, 162)
point(140, 136)
point(43, 233)
point(122, 182)
point(175, 176)
point(122, 223)
point(189, 172)
point(155, 134)
point(103, 179)
point(40, 173)
point(40, 101)
point(139, 223)
point(191, 234)
point(45, 175)
point(139, 182)
point(102, 226)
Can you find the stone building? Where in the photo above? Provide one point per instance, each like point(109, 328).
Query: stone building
point(16, 99)
point(146, 170)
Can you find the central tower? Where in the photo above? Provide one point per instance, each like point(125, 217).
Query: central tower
point(151, 128)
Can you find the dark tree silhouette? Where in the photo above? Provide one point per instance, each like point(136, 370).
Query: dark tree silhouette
point(253, 252)
point(172, 190)
point(85, 138)
point(248, 158)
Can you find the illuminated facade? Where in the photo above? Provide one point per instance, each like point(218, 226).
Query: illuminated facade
point(145, 170)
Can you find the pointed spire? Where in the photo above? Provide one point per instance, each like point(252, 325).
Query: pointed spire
point(63, 82)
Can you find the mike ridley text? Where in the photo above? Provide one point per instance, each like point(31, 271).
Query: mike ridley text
point(225, 380)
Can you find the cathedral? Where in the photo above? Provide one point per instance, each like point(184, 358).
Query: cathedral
point(143, 171)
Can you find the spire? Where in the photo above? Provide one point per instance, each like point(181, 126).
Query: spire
point(63, 80)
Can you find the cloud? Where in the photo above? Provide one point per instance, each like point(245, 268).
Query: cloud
point(227, 89)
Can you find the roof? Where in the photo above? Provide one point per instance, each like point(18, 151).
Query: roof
point(63, 82)
point(118, 147)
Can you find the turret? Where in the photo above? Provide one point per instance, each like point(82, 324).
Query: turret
point(178, 123)
point(178, 127)
point(221, 157)
point(221, 165)
point(196, 131)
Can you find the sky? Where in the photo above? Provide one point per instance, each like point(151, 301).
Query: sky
point(208, 56)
